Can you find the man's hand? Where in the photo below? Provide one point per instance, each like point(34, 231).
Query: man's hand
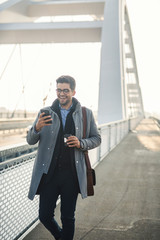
point(43, 121)
point(73, 141)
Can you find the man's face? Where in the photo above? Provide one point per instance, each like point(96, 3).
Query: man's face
point(65, 94)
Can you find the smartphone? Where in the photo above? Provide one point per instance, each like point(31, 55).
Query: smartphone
point(46, 114)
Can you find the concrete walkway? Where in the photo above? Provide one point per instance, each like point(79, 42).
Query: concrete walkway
point(126, 204)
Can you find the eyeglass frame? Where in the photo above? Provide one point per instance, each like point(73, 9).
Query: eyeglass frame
point(65, 91)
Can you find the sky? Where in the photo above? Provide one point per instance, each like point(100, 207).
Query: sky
point(145, 25)
point(40, 65)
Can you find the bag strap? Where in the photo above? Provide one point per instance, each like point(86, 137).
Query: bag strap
point(84, 121)
point(84, 136)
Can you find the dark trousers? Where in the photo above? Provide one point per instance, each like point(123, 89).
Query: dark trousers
point(63, 184)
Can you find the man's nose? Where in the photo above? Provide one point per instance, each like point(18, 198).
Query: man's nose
point(61, 93)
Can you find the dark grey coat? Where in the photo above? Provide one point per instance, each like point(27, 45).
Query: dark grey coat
point(47, 140)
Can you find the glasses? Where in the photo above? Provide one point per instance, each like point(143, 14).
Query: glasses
point(65, 91)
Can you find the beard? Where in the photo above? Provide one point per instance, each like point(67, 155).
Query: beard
point(64, 102)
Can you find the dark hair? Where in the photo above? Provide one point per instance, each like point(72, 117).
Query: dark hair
point(67, 79)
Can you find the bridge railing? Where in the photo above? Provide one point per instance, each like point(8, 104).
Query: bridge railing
point(17, 114)
point(112, 134)
point(16, 150)
point(15, 125)
point(17, 212)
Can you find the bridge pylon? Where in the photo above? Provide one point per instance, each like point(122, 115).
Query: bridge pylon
point(119, 90)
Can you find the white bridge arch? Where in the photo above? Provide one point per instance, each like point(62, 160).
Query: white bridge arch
point(104, 21)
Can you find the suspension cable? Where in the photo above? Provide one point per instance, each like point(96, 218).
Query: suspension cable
point(8, 61)
point(23, 87)
point(25, 83)
point(45, 98)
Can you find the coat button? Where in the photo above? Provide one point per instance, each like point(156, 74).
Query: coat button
point(43, 164)
point(76, 161)
point(48, 148)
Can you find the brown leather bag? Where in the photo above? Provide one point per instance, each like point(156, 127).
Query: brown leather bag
point(91, 177)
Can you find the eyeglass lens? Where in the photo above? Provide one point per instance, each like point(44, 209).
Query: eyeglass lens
point(62, 90)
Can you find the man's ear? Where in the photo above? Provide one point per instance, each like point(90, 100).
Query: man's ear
point(73, 93)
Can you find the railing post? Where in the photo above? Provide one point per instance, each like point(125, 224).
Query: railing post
point(115, 134)
point(109, 140)
point(99, 149)
point(129, 125)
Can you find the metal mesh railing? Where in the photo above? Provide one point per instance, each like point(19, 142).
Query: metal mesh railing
point(111, 135)
point(17, 212)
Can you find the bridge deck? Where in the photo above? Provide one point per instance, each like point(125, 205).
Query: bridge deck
point(126, 204)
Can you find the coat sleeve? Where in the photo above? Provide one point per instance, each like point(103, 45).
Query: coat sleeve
point(33, 136)
point(93, 138)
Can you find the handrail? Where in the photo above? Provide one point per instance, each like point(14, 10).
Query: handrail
point(157, 121)
point(15, 123)
point(17, 160)
point(16, 150)
point(119, 121)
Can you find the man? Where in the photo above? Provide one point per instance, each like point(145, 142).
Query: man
point(59, 168)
